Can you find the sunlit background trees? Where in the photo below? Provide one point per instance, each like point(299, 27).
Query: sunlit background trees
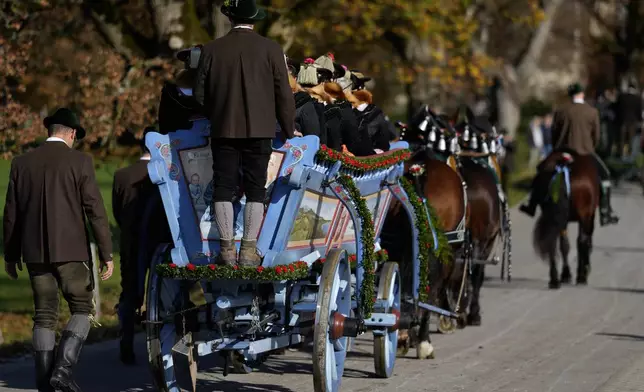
point(108, 59)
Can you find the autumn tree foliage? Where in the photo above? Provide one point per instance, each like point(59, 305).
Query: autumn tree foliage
point(107, 59)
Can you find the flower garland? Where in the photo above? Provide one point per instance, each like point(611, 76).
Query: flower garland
point(367, 290)
point(293, 271)
point(362, 164)
point(381, 257)
point(425, 238)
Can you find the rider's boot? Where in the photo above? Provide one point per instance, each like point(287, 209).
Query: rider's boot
point(44, 343)
point(606, 214)
point(69, 351)
point(44, 363)
point(530, 207)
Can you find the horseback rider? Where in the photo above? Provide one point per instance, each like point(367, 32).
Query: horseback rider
point(575, 127)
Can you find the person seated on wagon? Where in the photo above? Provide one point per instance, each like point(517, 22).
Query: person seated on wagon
point(312, 78)
point(339, 116)
point(575, 128)
point(178, 106)
point(242, 84)
point(309, 113)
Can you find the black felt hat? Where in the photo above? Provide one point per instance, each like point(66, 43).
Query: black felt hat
point(359, 79)
point(575, 89)
point(243, 10)
point(190, 56)
point(66, 117)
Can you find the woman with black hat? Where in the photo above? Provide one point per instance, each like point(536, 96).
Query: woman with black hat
point(309, 113)
point(339, 116)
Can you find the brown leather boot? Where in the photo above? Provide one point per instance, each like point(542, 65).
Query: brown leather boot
point(227, 252)
point(248, 255)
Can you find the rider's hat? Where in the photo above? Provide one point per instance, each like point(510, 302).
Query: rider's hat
point(575, 89)
point(243, 10)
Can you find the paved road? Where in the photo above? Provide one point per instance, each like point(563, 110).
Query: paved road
point(578, 339)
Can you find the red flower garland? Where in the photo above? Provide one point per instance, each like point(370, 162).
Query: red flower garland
point(294, 271)
point(362, 164)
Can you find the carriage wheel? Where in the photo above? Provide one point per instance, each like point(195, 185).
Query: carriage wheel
point(162, 298)
point(385, 346)
point(334, 302)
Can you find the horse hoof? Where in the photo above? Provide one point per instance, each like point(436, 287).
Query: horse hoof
point(461, 321)
point(554, 285)
point(446, 325)
point(566, 277)
point(413, 336)
point(474, 320)
point(582, 282)
point(425, 350)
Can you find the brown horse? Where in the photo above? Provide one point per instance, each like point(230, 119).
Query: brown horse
point(443, 188)
point(570, 186)
point(485, 225)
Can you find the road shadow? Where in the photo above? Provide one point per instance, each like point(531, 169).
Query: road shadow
point(516, 284)
point(622, 336)
point(234, 386)
point(621, 290)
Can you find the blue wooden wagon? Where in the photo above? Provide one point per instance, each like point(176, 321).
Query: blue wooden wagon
point(323, 275)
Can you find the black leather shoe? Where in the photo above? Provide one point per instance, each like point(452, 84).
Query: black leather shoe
point(44, 364)
point(69, 351)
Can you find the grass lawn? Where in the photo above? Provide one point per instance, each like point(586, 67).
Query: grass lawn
point(16, 306)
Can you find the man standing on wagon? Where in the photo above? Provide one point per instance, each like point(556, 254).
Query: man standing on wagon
point(242, 83)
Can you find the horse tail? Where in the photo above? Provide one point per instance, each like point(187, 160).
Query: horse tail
point(554, 217)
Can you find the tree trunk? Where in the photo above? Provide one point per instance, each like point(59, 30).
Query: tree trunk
point(515, 88)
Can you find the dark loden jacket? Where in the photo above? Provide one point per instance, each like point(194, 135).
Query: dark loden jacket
point(242, 83)
point(307, 117)
point(372, 122)
point(52, 192)
point(576, 126)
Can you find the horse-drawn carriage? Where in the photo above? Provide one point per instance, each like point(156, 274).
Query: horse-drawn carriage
point(323, 275)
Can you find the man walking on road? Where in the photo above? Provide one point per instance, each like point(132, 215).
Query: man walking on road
point(138, 210)
point(52, 191)
point(242, 83)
